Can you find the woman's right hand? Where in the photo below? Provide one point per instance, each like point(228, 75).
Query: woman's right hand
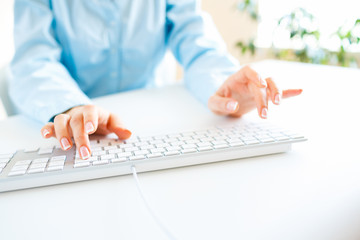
point(79, 122)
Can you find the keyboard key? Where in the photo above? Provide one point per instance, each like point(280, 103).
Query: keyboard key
point(81, 164)
point(47, 150)
point(232, 140)
point(160, 137)
point(138, 157)
point(187, 134)
point(206, 148)
point(282, 138)
point(207, 139)
point(131, 149)
point(17, 173)
point(55, 168)
point(162, 145)
point(252, 142)
point(171, 153)
point(23, 162)
point(79, 160)
point(117, 160)
point(98, 153)
point(267, 140)
point(188, 138)
point(107, 157)
point(188, 146)
point(37, 165)
point(146, 139)
point(4, 160)
point(147, 147)
point(100, 162)
point(58, 159)
point(198, 137)
point(36, 170)
point(189, 150)
point(222, 142)
point(96, 149)
point(32, 149)
point(245, 139)
point(157, 150)
point(177, 143)
point(192, 141)
point(170, 149)
point(160, 141)
point(19, 167)
point(141, 152)
point(139, 144)
point(40, 160)
point(132, 140)
point(117, 150)
point(220, 146)
point(175, 135)
point(110, 147)
point(219, 138)
point(204, 144)
point(55, 164)
point(154, 155)
point(237, 144)
point(124, 154)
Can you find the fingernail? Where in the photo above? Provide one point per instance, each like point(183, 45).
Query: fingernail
point(264, 112)
point(277, 98)
point(263, 82)
point(45, 132)
point(65, 143)
point(84, 152)
point(89, 127)
point(126, 133)
point(231, 106)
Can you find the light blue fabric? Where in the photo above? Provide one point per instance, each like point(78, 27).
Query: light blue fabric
point(70, 51)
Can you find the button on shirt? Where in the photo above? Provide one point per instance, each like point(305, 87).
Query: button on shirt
point(68, 52)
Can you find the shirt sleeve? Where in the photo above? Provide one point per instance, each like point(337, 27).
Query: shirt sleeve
point(198, 46)
point(39, 84)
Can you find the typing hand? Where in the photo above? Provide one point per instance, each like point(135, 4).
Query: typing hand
point(246, 90)
point(79, 122)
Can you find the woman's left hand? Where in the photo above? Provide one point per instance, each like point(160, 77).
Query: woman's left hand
point(245, 90)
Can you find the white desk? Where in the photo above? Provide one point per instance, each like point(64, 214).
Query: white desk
point(312, 192)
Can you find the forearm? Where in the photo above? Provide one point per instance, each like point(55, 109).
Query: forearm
point(198, 46)
point(40, 85)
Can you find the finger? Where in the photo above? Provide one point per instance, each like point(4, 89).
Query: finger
point(47, 130)
point(61, 126)
point(222, 105)
point(248, 74)
point(291, 93)
point(116, 126)
point(90, 116)
point(260, 97)
point(275, 95)
point(80, 136)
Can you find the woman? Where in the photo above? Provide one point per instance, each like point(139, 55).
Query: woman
point(70, 51)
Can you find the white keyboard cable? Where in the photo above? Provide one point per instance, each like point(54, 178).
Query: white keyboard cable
point(160, 224)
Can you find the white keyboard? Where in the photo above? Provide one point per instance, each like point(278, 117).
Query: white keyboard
point(111, 157)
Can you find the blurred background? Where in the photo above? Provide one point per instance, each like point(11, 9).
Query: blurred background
point(312, 31)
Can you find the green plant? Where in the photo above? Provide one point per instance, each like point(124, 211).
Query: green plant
point(347, 37)
point(301, 28)
point(249, 6)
